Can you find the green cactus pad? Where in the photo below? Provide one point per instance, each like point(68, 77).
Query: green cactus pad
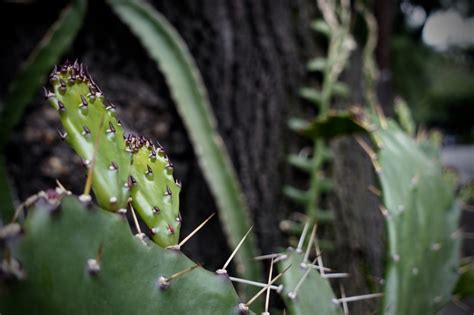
point(154, 192)
point(85, 114)
point(422, 220)
point(57, 252)
point(314, 296)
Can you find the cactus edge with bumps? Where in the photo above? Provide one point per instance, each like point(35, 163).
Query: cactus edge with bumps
point(78, 259)
point(304, 288)
point(422, 224)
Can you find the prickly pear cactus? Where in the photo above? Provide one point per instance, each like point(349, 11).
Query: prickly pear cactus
point(313, 295)
point(154, 192)
point(79, 260)
point(422, 222)
point(421, 215)
point(91, 124)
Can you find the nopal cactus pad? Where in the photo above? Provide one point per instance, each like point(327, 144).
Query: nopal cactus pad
point(422, 222)
point(91, 124)
point(314, 293)
point(154, 192)
point(80, 260)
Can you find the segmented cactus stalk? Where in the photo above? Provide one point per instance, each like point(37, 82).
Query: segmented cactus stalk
point(154, 192)
point(340, 46)
point(91, 125)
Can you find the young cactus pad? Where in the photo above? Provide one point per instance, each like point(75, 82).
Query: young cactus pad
point(91, 124)
point(80, 260)
point(154, 192)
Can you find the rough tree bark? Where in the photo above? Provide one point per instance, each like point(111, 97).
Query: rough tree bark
point(359, 229)
point(252, 56)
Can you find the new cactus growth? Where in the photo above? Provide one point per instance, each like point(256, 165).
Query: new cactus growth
point(91, 125)
point(154, 192)
point(123, 167)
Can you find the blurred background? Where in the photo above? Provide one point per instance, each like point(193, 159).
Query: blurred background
point(252, 56)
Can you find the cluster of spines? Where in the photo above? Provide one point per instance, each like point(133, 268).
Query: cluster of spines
point(306, 285)
point(154, 192)
point(71, 73)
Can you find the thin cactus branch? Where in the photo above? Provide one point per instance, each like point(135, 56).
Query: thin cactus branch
point(336, 26)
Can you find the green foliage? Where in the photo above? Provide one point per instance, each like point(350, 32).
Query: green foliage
point(404, 116)
point(91, 126)
point(80, 260)
point(321, 26)
point(430, 143)
point(334, 124)
point(167, 48)
point(465, 285)
point(317, 64)
point(467, 193)
point(369, 66)
point(312, 95)
point(313, 296)
point(439, 87)
point(422, 219)
point(154, 192)
point(35, 69)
